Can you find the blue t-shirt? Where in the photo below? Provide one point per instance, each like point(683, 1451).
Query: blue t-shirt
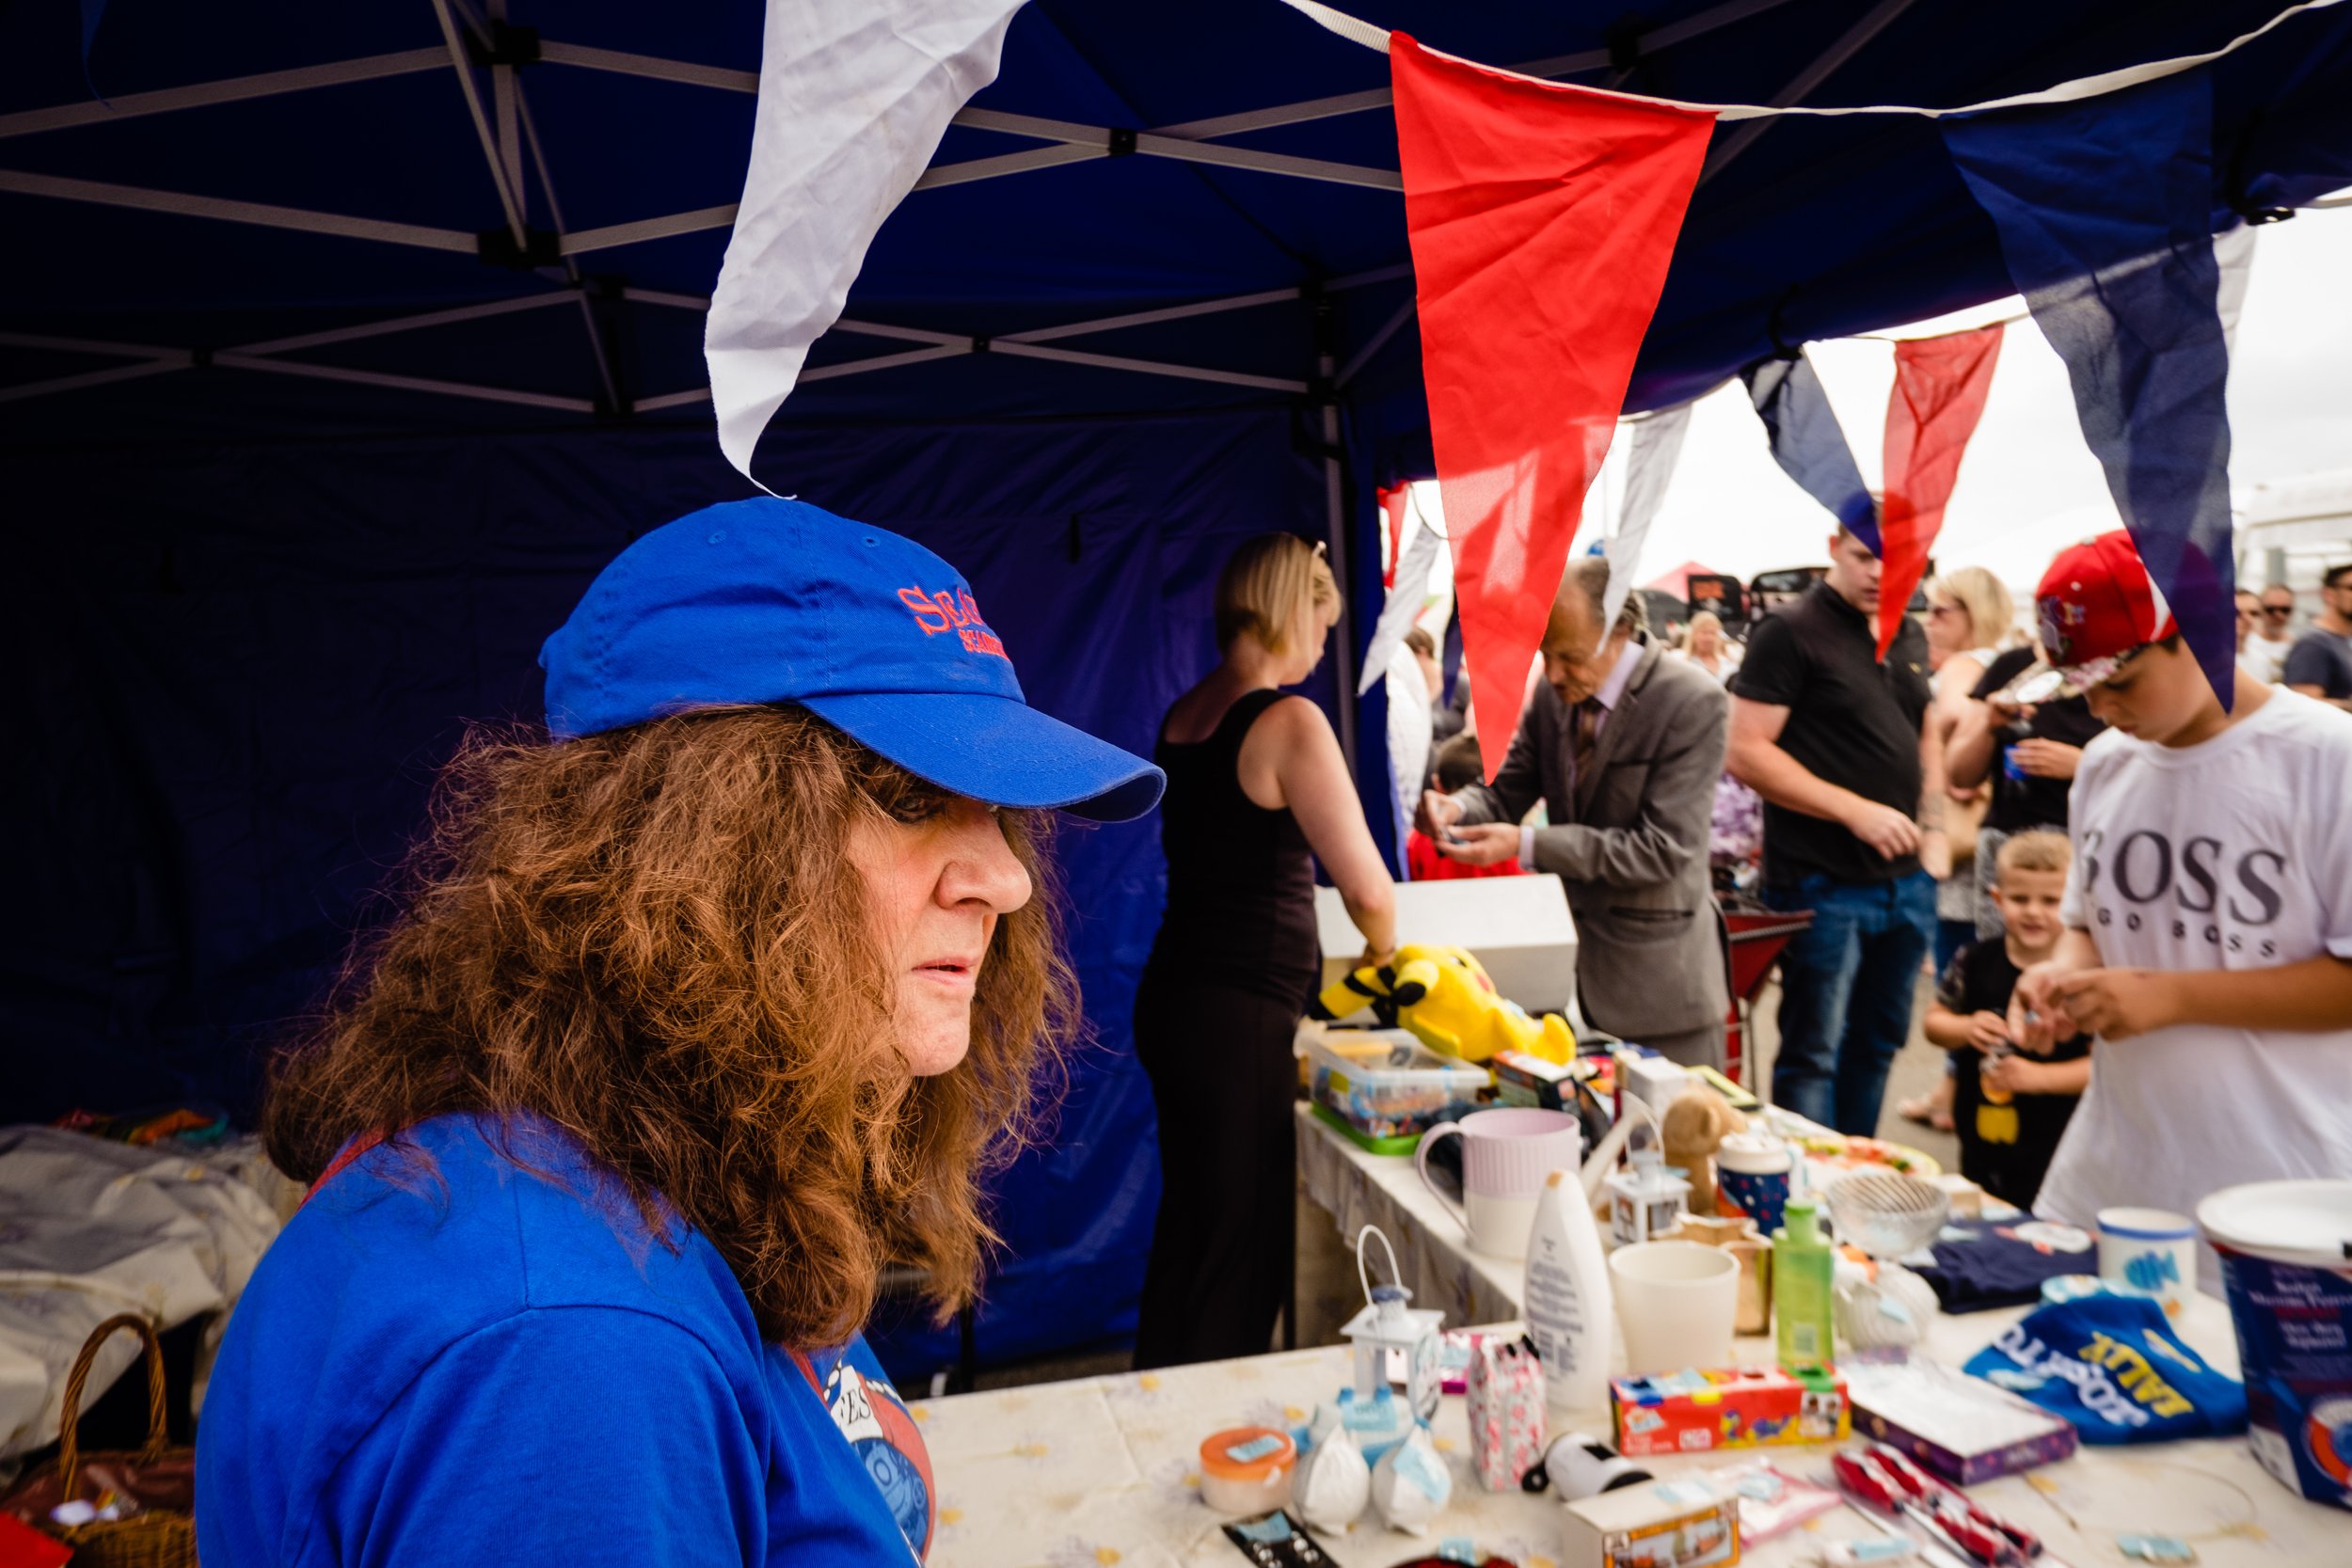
point(488, 1364)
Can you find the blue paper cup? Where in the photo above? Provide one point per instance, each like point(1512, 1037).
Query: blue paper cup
point(1752, 1174)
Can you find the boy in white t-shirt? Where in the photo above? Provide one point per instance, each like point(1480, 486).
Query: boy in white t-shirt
point(2209, 914)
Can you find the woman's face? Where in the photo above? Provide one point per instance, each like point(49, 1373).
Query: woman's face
point(1705, 640)
point(936, 888)
point(1949, 629)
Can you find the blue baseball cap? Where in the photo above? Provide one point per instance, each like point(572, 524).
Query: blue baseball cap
point(778, 601)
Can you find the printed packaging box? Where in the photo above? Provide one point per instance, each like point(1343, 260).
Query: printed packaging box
point(1960, 1428)
point(1685, 1522)
point(1735, 1407)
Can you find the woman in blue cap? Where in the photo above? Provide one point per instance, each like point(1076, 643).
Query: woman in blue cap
point(695, 1013)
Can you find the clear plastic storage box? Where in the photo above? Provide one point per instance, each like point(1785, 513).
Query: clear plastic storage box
point(1385, 1088)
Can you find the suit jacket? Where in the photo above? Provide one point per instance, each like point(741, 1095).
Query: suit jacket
point(1630, 843)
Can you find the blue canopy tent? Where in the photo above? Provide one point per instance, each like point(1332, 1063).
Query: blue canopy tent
point(340, 346)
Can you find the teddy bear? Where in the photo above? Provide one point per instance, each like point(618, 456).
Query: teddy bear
point(1694, 1125)
point(1444, 996)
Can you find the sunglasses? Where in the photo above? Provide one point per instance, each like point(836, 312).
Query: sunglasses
point(2276, 611)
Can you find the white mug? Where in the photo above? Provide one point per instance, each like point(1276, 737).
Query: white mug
point(2148, 1252)
point(1506, 1153)
point(1677, 1303)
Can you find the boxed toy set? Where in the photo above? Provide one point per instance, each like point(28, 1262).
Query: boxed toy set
point(1731, 1407)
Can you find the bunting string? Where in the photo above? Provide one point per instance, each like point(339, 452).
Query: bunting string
point(1357, 30)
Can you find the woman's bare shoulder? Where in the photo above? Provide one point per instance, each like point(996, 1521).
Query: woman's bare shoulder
point(1290, 725)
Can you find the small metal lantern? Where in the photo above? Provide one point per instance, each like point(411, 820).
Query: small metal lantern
point(1649, 1201)
point(1386, 1323)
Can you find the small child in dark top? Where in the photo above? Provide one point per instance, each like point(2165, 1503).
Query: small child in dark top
point(2010, 1112)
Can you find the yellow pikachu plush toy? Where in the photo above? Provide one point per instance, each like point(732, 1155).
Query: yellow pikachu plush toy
point(1443, 996)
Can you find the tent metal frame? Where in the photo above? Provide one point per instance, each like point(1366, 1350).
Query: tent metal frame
point(472, 39)
point(505, 130)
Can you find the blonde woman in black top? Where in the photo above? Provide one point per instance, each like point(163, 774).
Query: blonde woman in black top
point(1258, 791)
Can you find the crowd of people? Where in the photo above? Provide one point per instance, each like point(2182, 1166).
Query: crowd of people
point(1921, 807)
point(2318, 664)
point(2023, 807)
point(1926, 808)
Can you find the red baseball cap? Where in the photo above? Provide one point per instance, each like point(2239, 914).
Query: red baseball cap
point(2097, 608)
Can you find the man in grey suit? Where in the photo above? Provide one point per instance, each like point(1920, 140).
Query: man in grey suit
point(1625, 747)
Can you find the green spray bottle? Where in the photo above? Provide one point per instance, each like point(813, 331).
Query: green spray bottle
point(1801, 1268)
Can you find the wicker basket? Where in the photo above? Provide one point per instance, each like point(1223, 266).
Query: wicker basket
point(162, 1478)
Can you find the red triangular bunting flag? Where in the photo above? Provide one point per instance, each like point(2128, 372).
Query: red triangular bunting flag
point(1392, 504)
point(1542, 218)
point(1940, 385)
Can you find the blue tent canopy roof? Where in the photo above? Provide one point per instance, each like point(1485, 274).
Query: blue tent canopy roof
point(1818, 228)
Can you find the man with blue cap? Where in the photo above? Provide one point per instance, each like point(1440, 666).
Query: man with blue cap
point(698, 1010)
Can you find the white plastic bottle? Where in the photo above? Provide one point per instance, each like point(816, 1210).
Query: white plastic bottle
point(1567, 1297)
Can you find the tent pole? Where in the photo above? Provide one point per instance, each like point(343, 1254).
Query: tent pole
point(504, 93)
point(23, 183)
point(509, 199)
point(1377, 342)
point(584, 240)
point(608, 371)
point(65, 117)
point(1335, 507)
point(95, 378)
point(1335, 517)
point(1099, 140)
point(1650, 43)
point(1812, 76)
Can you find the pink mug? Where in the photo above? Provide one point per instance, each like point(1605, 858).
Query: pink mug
point(1506, 1153)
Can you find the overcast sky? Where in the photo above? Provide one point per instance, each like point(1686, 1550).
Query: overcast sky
point(2028, 486)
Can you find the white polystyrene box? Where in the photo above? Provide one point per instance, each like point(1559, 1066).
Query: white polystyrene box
point(1518, 926)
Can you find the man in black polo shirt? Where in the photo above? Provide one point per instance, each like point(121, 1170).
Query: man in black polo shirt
point(1852, 779)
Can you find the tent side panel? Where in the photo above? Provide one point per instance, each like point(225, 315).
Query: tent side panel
point(245, 661)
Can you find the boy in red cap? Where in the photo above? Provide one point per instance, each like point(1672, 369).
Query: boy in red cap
point(2209, 914)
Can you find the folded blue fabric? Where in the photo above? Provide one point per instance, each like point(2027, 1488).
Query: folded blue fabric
point(2112, 1367)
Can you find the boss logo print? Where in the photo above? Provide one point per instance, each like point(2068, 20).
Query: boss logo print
point(956, 611)
point(2222, 896)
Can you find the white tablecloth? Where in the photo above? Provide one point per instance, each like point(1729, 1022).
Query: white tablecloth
point(1101, 1472)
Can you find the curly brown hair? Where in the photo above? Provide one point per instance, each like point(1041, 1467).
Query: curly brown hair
point(654, 939)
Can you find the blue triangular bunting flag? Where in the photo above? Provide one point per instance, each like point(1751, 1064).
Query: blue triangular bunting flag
point(1809, 444)
point(2105, 214)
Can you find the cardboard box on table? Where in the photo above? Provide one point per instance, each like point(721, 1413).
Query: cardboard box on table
point(1518, 926)
point(1683, 1521)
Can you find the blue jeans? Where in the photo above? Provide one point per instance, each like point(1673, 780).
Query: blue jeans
point(1847, 987)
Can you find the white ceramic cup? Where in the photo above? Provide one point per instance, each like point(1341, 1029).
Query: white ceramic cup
point(1506, 1154)
point(2148, 1252)
point(1677, 1302)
